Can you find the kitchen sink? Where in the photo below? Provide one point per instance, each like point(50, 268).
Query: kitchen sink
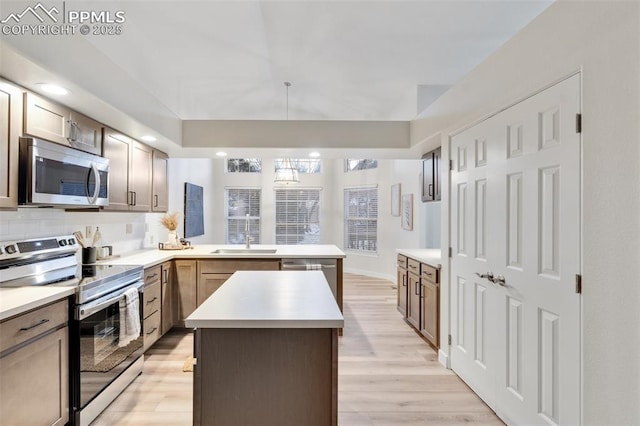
point(244, 251)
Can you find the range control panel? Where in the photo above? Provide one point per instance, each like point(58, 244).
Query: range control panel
point(24, 248)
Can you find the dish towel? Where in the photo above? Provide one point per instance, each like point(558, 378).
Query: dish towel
point(129, 317)
point(314, 267)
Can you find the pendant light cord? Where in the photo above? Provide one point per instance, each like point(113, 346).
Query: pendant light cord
point(287, 85)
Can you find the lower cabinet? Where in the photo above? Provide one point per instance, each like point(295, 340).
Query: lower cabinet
point(34, 377)
point(168, 306)
point(419, 297)
point(184, 289)
point(402, 284)
point(152, 306)
point(213, 273)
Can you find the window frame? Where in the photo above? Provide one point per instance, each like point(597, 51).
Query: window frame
point(227, 160)
point(347, 218)
point(227, 218)
point(287, 224)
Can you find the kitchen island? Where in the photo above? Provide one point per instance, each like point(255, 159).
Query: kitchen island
point(266, 349)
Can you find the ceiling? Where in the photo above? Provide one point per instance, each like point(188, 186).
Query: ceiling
point(346, 60)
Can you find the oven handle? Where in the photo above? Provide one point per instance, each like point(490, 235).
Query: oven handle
point(86, 310)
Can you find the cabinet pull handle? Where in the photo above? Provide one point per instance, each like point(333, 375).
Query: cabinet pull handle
point(154, 329)
point(155, 274)
point(135, 198)
point(430, 190)
point(43, 321)
point(152, 300)
point(155, 200)
point(421, 292)
point(404, 281)
point(417, 290)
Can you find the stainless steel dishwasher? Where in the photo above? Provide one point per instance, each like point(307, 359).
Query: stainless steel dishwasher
point(327, 266)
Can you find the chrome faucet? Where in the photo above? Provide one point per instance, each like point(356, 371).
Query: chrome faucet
point(247, 243)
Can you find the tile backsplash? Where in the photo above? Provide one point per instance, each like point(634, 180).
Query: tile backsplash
point(124, 231)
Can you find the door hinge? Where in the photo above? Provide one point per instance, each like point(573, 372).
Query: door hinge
point(578, 123)
point(450, 164)
point(449, 340)
point(450, 252)
point(578, 283)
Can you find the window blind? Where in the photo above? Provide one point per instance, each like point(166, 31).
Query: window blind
point(238, 203)
point(297, 216)
point(361, 219)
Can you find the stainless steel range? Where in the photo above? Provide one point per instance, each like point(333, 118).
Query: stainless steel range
point(102, 361)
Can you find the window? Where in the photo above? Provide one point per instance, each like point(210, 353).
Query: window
point(297, 216)
point(351, 165)
point(304, 165)
point(361, 219)
point(238, 203)
point(244, 165)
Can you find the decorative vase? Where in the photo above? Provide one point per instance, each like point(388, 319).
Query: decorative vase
point(173, 240)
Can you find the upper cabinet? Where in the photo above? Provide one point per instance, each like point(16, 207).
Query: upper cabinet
point(431, 181)
point(10, 123)
point(160, 201)
point(131, 166)
point(47, 120)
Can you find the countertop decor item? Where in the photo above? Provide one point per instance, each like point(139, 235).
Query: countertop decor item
point(170, 221)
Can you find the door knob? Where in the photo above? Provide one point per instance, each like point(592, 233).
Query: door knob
point(488, 275)
point(500, 280)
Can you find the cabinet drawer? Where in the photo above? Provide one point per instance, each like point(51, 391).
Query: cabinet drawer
point(413, 266)
point(151, 298)
point(152, 274)
point(151, 329)
point(23, 327)
point(231, 266)
point(429, 273)
point(402, 261)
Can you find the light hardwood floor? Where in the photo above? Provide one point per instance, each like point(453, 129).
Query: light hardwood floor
point(388, 375)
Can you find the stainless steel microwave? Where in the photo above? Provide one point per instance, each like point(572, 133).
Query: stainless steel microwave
point(51, 174)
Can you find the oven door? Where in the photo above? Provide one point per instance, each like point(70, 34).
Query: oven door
point(57, 175)
point(101, 357)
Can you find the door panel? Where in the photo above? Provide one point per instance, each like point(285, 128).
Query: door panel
point(517, 341)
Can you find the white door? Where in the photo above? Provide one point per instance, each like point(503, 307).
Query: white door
point(515, 193)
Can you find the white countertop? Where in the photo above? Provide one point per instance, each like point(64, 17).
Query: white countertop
point(432, 257)
point(16, 300)
point(151, 257)
point(270, 299)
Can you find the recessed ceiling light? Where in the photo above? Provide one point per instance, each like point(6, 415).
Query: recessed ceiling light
point(314, 154)
point(148, 138)
point(221, 154)
point(53, 89)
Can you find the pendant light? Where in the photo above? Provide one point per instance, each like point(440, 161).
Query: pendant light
point(286, 173)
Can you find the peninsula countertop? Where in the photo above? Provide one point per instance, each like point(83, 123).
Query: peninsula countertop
point(151, 257)
point(270, 299)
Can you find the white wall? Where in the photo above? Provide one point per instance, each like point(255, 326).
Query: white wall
point(600, 39)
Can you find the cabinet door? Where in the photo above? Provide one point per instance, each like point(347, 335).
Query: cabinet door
point(140, 177)
point(167, 297)
point(34, 389)
point(10, 120)
point(45, 119)
point(160, 202)
point(413, 305)
point(429, 323)
point(437, 181)
point(185, 289)
point(427, 190)
point(117, 148)
point(402, 291)
point(85, 133)
point(208, 284)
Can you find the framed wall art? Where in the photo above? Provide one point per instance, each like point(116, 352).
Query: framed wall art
point(407, 212)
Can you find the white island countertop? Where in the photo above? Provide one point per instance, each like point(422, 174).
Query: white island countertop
point(151, 257)
point(431, 257)
point(270, 299)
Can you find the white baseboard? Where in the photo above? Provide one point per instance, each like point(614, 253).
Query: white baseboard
point(372, 274)
point(443, 358)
